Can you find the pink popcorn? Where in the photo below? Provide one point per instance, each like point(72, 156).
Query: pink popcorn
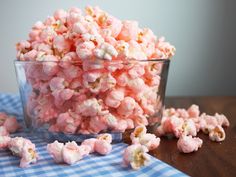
point(61, 44)
point(4, 141)
point(109, 120)
point(3, 131)
point(217, 134)
point(71, 153)
point(107, 137)
point(189, 128)
point(23, 46)
point(28, 156)
point(126, 107)
point(47, 35)
point(136, 156)
point(61, 15)
point(135, 51)
point(136, 71)
point(55, 149)
point(86, 66)
point(102, 147)
point(193, 111)
point(121, 125)
point(138, 132)
point(105, 51)
point(122, 79)
point(25, 149)
point(89, 107)
point(66, 123)
point(96, 124)
point(66, 94)
point(11, 125)
point(3, 117)
point(150, 141)
point(85, 50)
point(188, 144)
point(91, 143)
point(57, 83)
point(165, 48)
point(140, 136)
point(114, 98)
point(129, 31)
point(222, 120)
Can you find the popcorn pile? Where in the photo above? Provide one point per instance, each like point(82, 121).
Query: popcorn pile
point(19, 146)
point(71, 153)
point(185, 124)
point(86, 74)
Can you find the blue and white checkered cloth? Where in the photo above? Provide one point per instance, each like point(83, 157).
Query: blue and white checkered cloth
point(92, 165)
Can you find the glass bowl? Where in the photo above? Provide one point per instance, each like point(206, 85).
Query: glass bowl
point(68, 101)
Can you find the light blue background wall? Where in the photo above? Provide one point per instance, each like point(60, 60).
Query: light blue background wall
point(203, 32)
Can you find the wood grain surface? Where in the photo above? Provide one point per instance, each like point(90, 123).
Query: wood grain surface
point(213, 159)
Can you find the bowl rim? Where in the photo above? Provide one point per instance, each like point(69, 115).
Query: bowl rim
point(98, 61)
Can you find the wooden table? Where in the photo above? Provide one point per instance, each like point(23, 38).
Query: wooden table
point(213, 159)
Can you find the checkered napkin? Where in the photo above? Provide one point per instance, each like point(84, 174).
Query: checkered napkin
point(92, 165)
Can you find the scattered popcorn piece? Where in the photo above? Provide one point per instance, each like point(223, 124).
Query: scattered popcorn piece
point(181, 122)
point(217, 134)
point(3, 131)
point(3, 117)
point(136, 156)
point(137, 133)
point(11, 125)
point(4, 141)
point(150, 141)
point(55, 149)
point(140, 136)
point(71, 153)
point(188, 144)
point(25, 149)
point(91, 143)
point(106, 136)
point(102, 147)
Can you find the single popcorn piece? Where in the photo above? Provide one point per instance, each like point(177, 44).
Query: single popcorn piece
point(105, 51)
point(71, 153)
point(188, 144)
point(136, 156)
point(138, 132)
point(114, 98)
point(102, 147)
point(150, 141)
point(55, 149)
point(89, 107)
point(91, 143)
point(140, 136)
point(3, 131)
point(25, 149)
point(4, 141)
point(217, 134)
point(129, 31)
point(11, 125)
point(106, 136)
point(3, 117)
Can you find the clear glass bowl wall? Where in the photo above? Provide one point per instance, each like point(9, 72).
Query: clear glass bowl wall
point(73, 100)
